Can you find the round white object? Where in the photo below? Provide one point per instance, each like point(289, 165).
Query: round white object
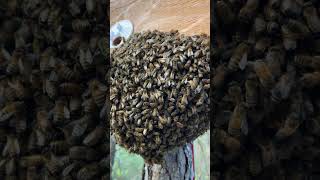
point(123, 28)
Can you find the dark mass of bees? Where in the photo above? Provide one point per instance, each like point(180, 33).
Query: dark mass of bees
point(159, 92)
point(53, 87)
point(265, 90)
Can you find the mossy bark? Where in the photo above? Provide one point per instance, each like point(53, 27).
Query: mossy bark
point(177, 165)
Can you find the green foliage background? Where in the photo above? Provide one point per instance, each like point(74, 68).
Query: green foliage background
point(128, 166)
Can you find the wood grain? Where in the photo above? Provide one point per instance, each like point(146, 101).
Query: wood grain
point(187, 16)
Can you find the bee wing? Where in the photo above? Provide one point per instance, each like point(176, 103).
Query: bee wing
point(89, 57)
point(66, 112)
point(16, 146)
point(244, 61)
point(40, 138)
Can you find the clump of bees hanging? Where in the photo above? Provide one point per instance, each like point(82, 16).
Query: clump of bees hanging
point(53, 90)
point(159, 92)
point(265, 90)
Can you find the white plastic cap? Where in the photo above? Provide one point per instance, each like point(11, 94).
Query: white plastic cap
point(123, 29)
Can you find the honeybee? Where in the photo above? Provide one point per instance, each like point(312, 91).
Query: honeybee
point(12, 147)
point(264, 74)
point(10, 109)
point(310, 80)
point(268, 152)
point(20, 90)
point(273, 27)
point(43, 121)
point(11, 167)
point(291, 8)
point(255, 163)
point(238, 122)
point(95, 136)
point(262, 45)
point(283, 87)
point(60, 112)
point(89, 105)
point(239, 53)
point(251, 86)
point(59, 147)
point(307, 61)
point(231, 144)
point(69, 88)
point(225, 14)
point(86, 59)
point(219, 77)
point(98, 92)
point(235, 93)
point(290, 126)
point(50, 88)
point(248, 10)
point(32, 160)
point(88, 172)
point(81, 25)
point(66, 73)
point(260, 25)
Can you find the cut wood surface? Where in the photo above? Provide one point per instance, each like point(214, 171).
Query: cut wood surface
point(188, 16)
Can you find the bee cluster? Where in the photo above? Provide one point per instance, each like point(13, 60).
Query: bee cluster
point(159, 92)
point(53, 90)
point(265, 90)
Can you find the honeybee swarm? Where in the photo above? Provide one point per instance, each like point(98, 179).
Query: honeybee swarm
point(159, 92)
point(265, 91)
point(50, 123)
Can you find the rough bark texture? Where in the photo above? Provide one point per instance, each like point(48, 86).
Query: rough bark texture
point(177, 166)
point(112, 150)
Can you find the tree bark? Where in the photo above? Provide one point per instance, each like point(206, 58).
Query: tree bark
point(112, 150)
point(177, 165)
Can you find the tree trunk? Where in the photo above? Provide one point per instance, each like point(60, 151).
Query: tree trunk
point(178, 165)
point(112, 150)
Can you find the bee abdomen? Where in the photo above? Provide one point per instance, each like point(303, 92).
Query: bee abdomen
point(70, 89)
point(81, 25)
point(59, 147)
